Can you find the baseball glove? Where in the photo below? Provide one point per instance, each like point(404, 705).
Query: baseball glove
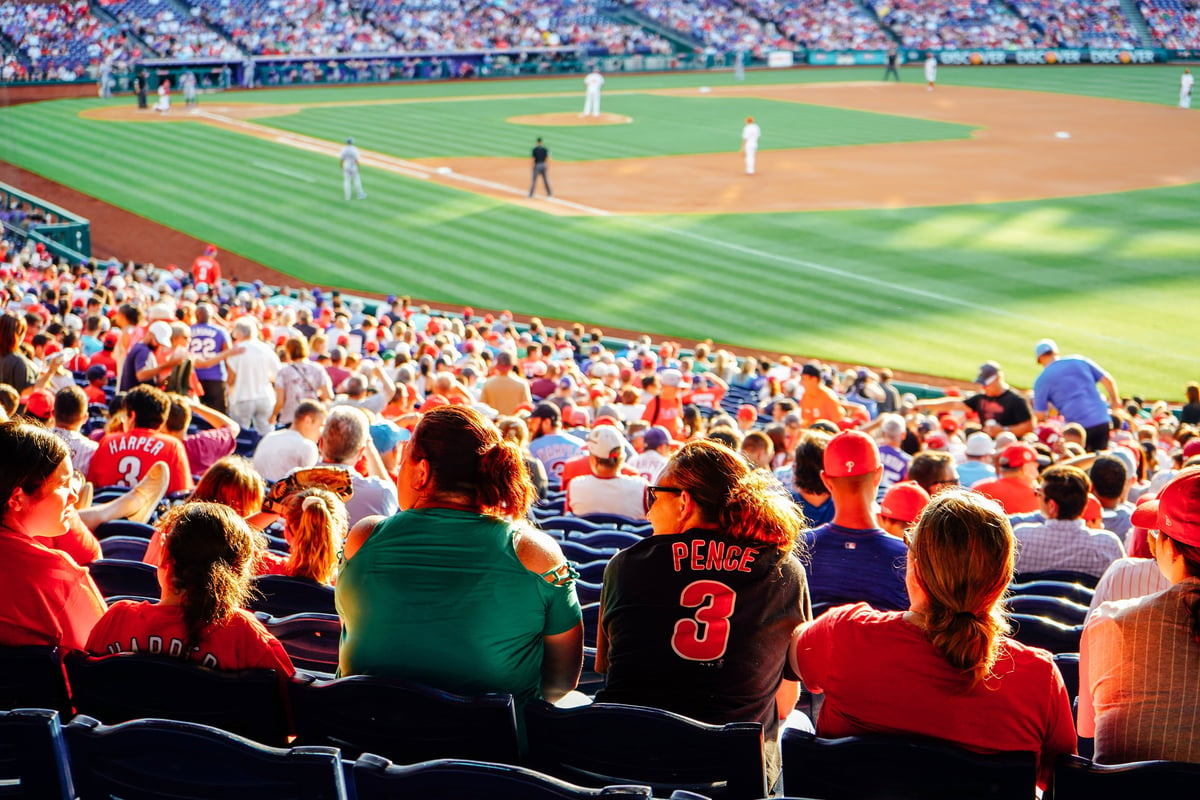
point(335, 479)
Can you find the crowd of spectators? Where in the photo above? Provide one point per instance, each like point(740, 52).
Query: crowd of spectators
point(1173, 23)
point(955, 24)
point(818, 25)
point(296, 27)
point(171, 34)
point(1100, 23)
point(61, 41)
point(719, 25)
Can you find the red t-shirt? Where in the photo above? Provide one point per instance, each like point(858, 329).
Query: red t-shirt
point(1013, 494)
point(78, 542)
point(880, 674)
point(238, 642)
point(95, 395)
point(106, 359)
point(205, 269)
point(123, 459)
point(45, 597)
point(667, 413)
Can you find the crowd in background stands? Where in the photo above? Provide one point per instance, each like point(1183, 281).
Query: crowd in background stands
point(955, 24)
point(169, 33)
point(57, 41)
point(1102, 23)
point(720, 25)
point(1173, 23)
point(819, 25)
point(265, 27)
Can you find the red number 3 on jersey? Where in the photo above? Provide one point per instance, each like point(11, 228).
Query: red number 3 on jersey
point(705, 637)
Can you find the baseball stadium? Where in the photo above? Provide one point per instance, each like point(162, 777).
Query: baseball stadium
point(768, 279)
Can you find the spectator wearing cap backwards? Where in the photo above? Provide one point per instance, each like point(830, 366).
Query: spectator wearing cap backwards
point(655, 454)
point(1063, 541)
point(97, 379)
point(1068, 383)
point(151, 358)
point(997, 405)
point(852, 559)
point(819, 401)
point(505, 391)
point(978, 464)
point(1016, 487)
point(1139, 658)
point(548, 444)
point(606, 490)
point(666, 408)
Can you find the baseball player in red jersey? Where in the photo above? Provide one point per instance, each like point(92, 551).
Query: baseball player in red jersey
point(206, 269)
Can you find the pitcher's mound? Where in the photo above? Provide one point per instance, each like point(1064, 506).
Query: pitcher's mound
point(565, 118)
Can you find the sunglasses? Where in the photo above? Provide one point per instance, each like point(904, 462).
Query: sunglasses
point(651, 494)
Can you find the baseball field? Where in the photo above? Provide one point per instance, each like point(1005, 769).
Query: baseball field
point(887, 225)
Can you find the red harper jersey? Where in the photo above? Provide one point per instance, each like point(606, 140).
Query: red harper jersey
point(238, 642)
point(123, 459)
point(205, 269)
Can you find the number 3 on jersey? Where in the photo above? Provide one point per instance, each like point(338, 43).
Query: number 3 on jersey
point(705, 637)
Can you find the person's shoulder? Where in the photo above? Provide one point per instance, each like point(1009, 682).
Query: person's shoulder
point(537, 550)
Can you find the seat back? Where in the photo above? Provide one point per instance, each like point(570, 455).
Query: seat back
point(901, 768)
point(114, 576)
point(1061, 575)
point(135, 686)
point(403, 721)
point(151, 759)
point(32, 677)
point(378, 779)
point(1068, 667)
point(311, 640)
point(33, 756)
point(1074, 592)
point(1078, 778)
point(606, 538)
point(1046, 633)
point(569, 523)
point(615, 521)
point(282, 596)
point(607, 743)
point(123, 527)
point(124, 548)
point(1059, 609)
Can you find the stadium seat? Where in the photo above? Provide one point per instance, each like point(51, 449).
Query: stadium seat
point(311, 640)
point(403, 721)
point(614, 521)
point(1068, 667)
point(152, 759)
point(377, 778)
point(582, 554)
point(605, 539)
point(134, 686)
point(34, 763)
point(114, 576)
point(570, 524)
point(1068, 591)
point(32, 677)
point(1061, 575)
point(124, 548)
point(282, 596)
point(588, 593)
point(247, 442)
point(592, 571)
point(1046, 633)
point(1059, 609)
point(606, 744)
point(901, 768)
point(123, 527)
point(1078, 778)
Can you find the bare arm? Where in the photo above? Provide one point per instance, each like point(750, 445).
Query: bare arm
point(942, 404)
point(1110, 386)
point(562, 660)
point(385, 380)
point(601, 646)
point(359, 534)
point(215, 418)
point(375, 466)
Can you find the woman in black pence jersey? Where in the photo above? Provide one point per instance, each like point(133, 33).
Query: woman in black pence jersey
point(696, 619)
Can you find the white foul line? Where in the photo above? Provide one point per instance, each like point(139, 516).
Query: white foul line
point(272, 168)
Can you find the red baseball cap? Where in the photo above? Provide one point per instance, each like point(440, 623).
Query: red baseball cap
point(1192, 448)
point(40, 403)
point(851, 453)
point(949, 424)
point(1016, 456)
point(1093, 510)
point(936, 441)
point(1176, 510)
point(904, 501)
point(748, 412)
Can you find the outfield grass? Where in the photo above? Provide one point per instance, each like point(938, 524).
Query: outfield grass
point(935, 290)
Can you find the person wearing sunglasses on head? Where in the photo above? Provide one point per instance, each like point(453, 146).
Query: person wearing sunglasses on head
point(696, 618)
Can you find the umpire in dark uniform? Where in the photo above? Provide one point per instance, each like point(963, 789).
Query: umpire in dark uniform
point(141, 84)
point(540, 157)
point(892, 58)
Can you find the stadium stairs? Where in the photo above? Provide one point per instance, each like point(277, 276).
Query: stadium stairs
point(1145, 38)
point(9, 48)
point(630, 15)
point(189, 9)
point(104, 15)
point(873, 14)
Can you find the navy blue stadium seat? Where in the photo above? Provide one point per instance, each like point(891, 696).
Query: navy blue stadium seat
point(570, 524)
point(124, 548)
point(606, 744)
point(1068, 591)
point(582, 554)
point(32, 677)
point(614, 520)
point(589, 593)
point(114, 576)
point(34, 763)
point(282, 596)
point(1046, 633)
point(153, 759)
point(606, 538)
point(1061, 575)
point(311, 640)
point(901, 768)
point(129, 686)
point(1079, 779)
point(592, 571)
point(123, 527)
point(1059, 609)
point(1068, 667)
point(403, 721)
point(377, 778)
point(247, 442)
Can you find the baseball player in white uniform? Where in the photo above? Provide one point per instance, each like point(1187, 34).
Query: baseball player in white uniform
point(750, 137)
point(930, 71)
point(164, 97)
point(1185, 89)
point(188, 84)
point(350, 170)
point(591, 98)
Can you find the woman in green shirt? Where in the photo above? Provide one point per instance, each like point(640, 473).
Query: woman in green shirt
point(457, 591)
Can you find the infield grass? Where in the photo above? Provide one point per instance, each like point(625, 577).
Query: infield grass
point(935, 290)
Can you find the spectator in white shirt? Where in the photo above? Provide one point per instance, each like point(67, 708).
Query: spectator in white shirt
point(606, 490)
point(252, 374)
point(281, 451)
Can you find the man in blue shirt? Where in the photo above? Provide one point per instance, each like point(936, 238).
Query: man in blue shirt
point(852, 559)
point(1069, 384)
